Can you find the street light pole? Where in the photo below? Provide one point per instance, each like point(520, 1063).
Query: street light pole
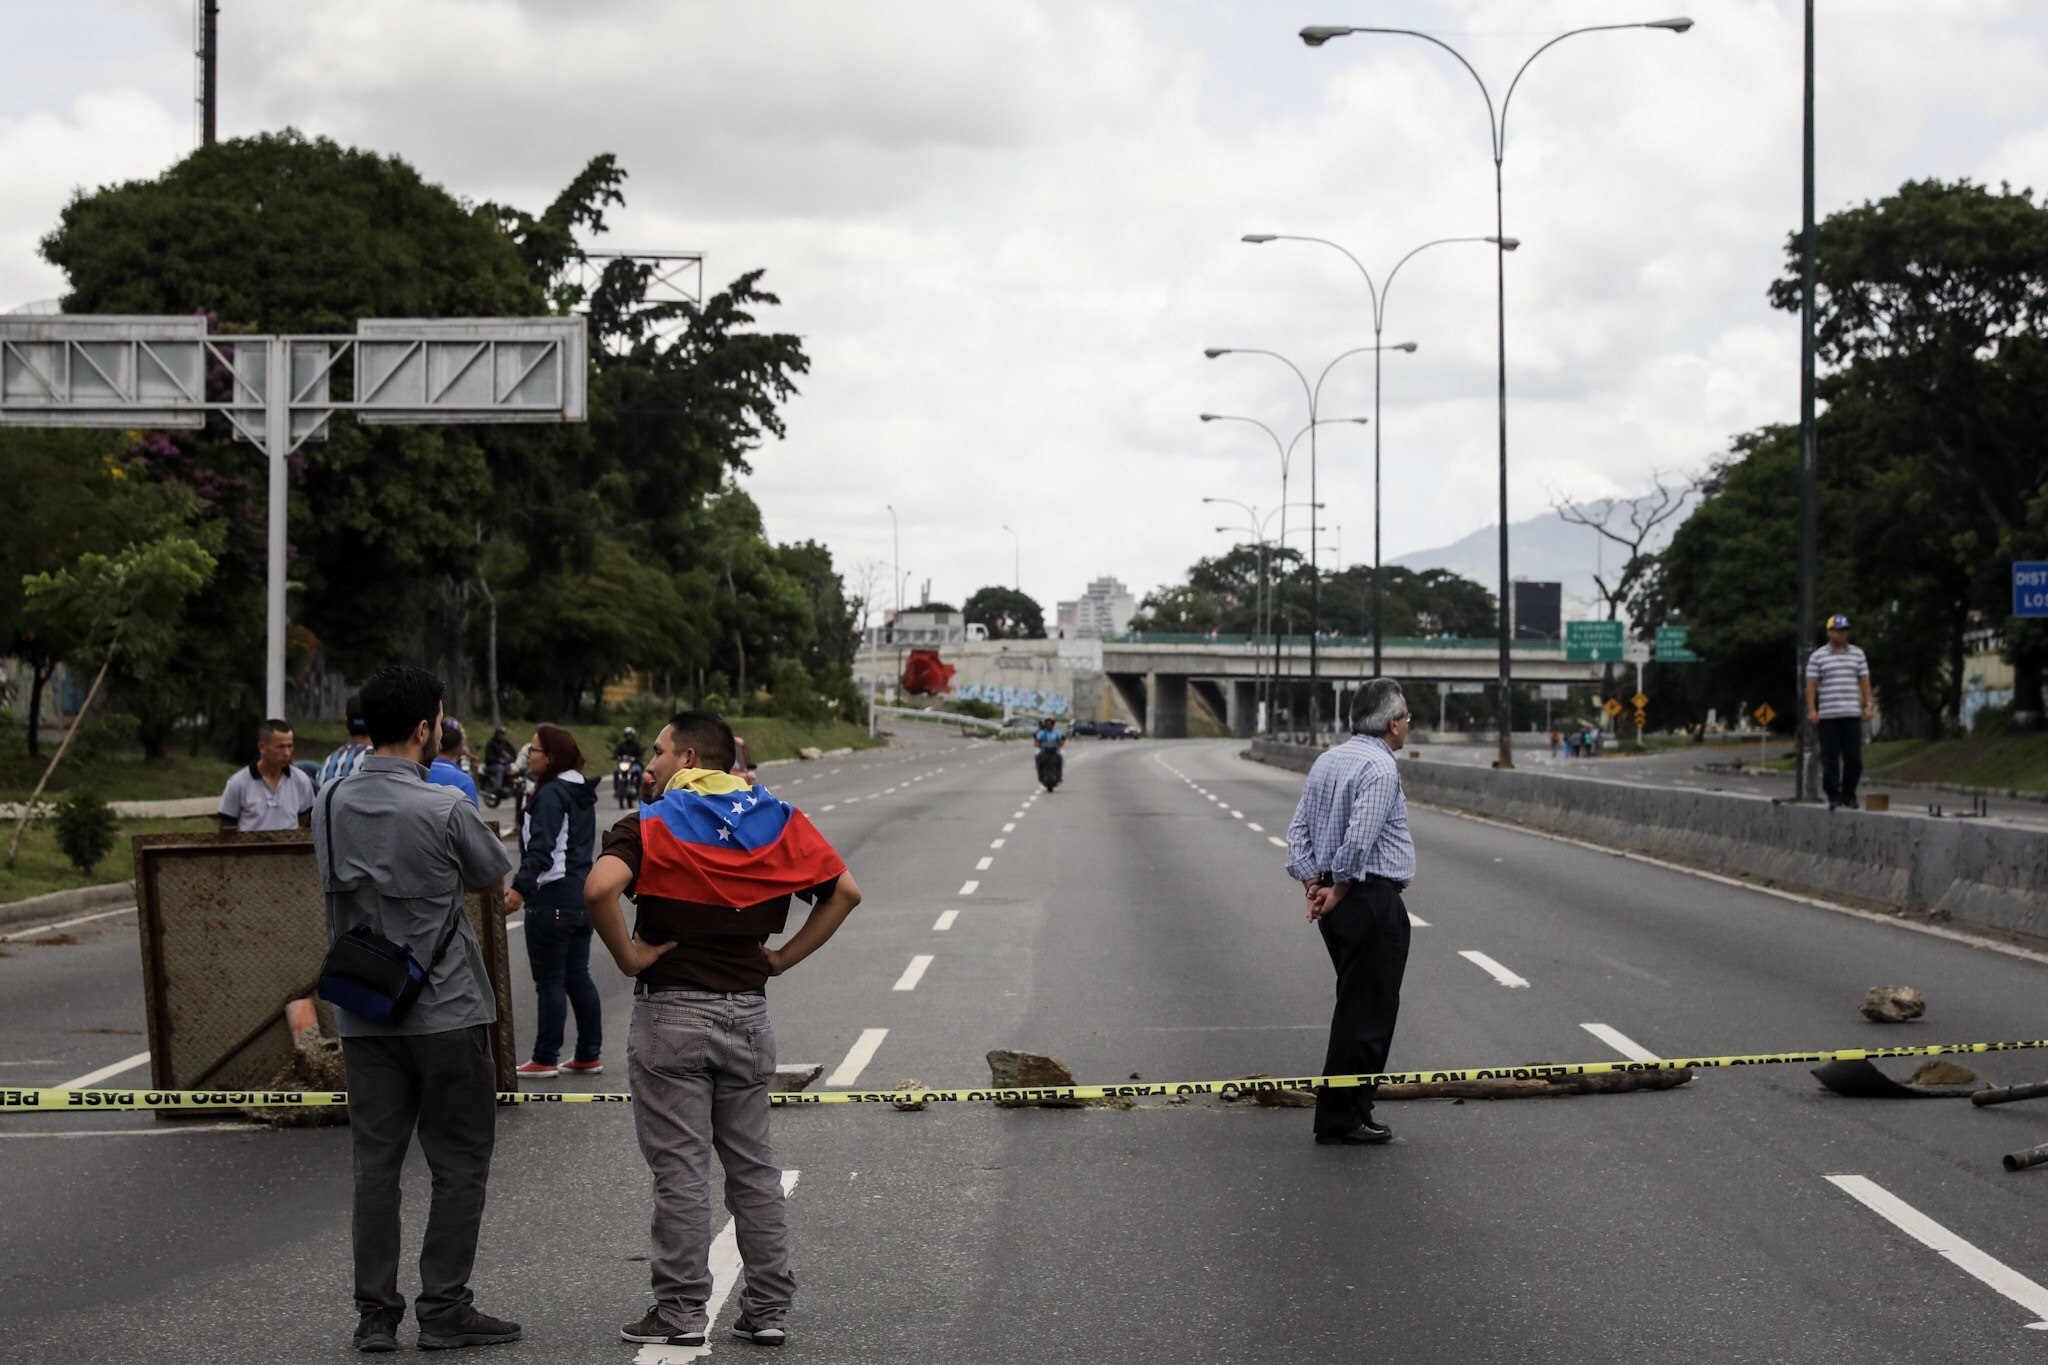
point(1318, 34)
point(1809, 445)
point(1286, 451)
point(1378, 294)
point(1018, 547)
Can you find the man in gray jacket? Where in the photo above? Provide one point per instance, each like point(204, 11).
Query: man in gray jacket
point(395, 854)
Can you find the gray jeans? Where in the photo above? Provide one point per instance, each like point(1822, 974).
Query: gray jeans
point(700, 1064)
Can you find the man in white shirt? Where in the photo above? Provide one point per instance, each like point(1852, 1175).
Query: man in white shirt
point(1838, 703)
point(270, 793)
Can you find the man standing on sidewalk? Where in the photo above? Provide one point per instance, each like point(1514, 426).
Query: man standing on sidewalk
point(270, 793)
point(1838, 703)
point(395, 853)
point(711, 863)
point(1348, 846)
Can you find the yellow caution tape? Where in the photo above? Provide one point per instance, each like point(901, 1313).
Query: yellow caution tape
point(22, 1101)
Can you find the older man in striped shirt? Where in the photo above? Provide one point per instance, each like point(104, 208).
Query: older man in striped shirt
point(1348, 845)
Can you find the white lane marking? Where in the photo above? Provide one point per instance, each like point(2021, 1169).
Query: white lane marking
point(857, 1057)
point(1276, 841)
point(725, 1273)
point(945, 921)
point(1416, 921)
point(1622, 1043)
point(849, 800)
point(1237, 815)
point(154, 1130)
point(1256, 829)
point(1011, 828)
point(20, 934)
point(996, 843)
point(1017, 815)
point(1493, 969)
point(796, 782)
point(985, 864)
point(512, 924)
point(92, 1078)
point(1935, 1237)
point(969, 887)
point(835, 772)
point(914, 973)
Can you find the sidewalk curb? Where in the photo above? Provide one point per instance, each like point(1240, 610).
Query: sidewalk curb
point(1871, 779)
point(55, 905)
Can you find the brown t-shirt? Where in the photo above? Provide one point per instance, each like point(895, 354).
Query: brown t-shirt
point(718, 947)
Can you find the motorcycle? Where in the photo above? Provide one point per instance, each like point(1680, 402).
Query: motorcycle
point(1051, 767)
point(626, 775)
point(502, 782)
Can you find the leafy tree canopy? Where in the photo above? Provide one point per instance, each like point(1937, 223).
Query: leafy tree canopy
point(1008, 614)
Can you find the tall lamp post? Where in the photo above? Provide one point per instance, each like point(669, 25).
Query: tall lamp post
point(1262, 600)
point(1809, 444)
point(1286, 451)
point(1018, 548)
point(1313, 392)
point(1378, 293)
point(1315, 36)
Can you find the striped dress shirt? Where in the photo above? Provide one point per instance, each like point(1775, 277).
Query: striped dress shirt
point(1353, 818)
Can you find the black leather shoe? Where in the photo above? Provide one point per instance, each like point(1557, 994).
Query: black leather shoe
point(378, 1332)
point(469, 1328)
point(1367, 1134)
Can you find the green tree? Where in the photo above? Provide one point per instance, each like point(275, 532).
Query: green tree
point(1008, 614)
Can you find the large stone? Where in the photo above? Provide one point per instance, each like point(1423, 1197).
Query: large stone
point(794, 1076)
point(1273, 1099)
point(1893, 1004)
point(909, 1083)
point(810, 752)
point(1010, 1070)
point(1942, 1071)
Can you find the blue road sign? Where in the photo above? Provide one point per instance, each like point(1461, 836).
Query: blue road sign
point(2030, 587)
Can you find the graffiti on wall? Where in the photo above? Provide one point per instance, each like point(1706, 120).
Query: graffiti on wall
point(1016, 698)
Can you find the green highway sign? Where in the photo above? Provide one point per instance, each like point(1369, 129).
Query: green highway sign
point(1592, 642)
point(1672, 648)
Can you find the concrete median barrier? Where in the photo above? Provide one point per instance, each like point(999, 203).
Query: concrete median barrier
point(1973, 873)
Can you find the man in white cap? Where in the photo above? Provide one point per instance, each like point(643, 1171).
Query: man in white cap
point(1838, 703)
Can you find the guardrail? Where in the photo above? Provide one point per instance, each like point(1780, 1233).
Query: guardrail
point(944, 717)
point(1460, 644)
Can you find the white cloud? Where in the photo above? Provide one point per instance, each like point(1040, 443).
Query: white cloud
point(1007, 231)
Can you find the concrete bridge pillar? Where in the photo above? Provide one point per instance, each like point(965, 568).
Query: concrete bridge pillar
point(1243, 706)
point(1166, 705)
point(1133, 691)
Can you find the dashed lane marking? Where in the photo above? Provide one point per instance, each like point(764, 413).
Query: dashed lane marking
point(914, 973)
point(1932, 1235)
point(1237, 815)
point(93, 1078)
point(1276, 841)
point(996, 843)
point(1011, 828)
point(969, 887)
point(945, 921)
point(1493, 969)
point(1255, 828)
point(1416, 921)
point(1621, 1042)
point(985, 864)
point(857, 1058)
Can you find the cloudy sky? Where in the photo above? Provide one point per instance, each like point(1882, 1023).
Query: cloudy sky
point(1007, 228)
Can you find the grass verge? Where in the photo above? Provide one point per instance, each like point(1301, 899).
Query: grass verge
point(2000, 762)
point(42, 868)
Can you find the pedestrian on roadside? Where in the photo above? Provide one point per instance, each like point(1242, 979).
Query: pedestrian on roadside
point(270, 793)
point(1838, 703)
point(1555, 740)
point(557, 841)
point(446, 769)
point(395, 852)
point(342, 761)
point(1348, 845)
point(711, 863)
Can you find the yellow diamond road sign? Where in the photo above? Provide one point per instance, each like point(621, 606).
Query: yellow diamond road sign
point(1765, 714)
point(1613, 706)
point(1642, 718)
point(1640, 700)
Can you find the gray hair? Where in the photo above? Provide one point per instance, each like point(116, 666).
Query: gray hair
point(1376, 706)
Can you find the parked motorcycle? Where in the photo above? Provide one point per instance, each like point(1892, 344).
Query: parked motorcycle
point(626, 775)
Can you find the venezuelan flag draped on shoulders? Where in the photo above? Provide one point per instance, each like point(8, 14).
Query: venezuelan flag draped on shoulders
point(711, 839)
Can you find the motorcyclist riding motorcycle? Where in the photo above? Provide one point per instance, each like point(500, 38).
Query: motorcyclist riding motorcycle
point(627, 768)
point(1051, 765)
point(501, 776)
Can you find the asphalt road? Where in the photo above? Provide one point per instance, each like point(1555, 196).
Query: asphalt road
point(1138, 920)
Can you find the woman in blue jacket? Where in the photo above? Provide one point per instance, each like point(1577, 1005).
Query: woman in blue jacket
point(557, 839)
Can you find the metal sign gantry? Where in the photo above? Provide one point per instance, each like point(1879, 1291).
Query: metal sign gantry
point(118, 371)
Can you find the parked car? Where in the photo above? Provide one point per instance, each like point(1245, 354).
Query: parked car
point(1116, 729)
point(1086, 727)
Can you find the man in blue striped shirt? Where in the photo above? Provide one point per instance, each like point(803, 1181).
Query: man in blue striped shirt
point(1348, 846)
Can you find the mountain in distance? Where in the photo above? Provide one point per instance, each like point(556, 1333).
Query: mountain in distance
point(1545, 549)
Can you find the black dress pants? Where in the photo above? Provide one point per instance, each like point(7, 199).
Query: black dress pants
point(1367, 935)
point(1841, 756)
point(444, 1085)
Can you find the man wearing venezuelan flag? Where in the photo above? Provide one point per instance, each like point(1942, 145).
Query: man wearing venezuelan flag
point(712, 863)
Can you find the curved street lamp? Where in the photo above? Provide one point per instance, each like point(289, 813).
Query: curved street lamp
point(1378, 293)
point(1315, 35)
